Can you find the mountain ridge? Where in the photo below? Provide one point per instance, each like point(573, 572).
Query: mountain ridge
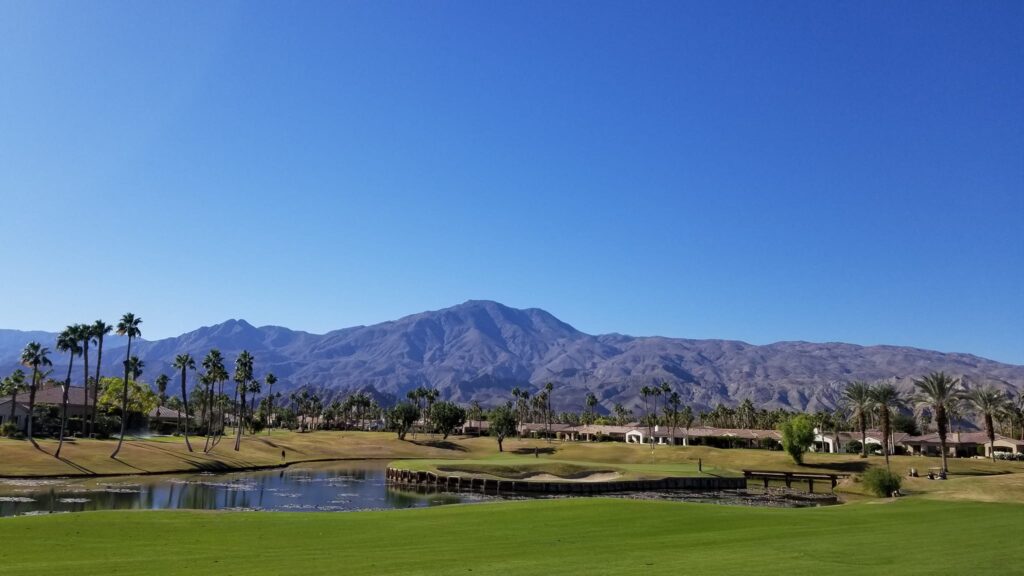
point(480, 349)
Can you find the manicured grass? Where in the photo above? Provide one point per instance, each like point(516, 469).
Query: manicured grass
point(564, 537)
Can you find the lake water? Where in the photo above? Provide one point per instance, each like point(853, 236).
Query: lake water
point(335, 486)
point(315, 487)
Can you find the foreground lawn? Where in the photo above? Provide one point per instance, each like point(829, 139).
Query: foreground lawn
point(565, 537)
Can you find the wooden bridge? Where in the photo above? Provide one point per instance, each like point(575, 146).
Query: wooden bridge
point(789, 477)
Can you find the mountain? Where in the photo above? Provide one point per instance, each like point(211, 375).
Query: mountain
point(479, 350)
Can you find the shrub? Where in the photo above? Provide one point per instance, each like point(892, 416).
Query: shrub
point(797, 436)
point(8, 429)
point(881, 482)
point(853, 446)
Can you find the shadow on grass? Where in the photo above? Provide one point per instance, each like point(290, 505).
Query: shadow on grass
point(547, 451)
point(440, 444)
point(848, 467)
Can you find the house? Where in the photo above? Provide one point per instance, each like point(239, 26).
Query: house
point(839, 442)
point(597, 432)
point(54, 396)
point(962, 444)
point(704, 435)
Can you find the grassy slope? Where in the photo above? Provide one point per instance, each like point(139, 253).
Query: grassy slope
point(565, 537)
point(511, 466)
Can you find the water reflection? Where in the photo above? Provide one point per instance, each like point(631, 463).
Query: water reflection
point(315, 487)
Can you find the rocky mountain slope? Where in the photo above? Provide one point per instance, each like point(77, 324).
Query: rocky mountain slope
point(481, 349)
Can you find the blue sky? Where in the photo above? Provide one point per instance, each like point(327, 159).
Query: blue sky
point(759, 171)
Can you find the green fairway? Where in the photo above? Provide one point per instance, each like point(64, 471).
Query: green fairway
point(565, 537)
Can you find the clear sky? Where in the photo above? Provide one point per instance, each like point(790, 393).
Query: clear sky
point(760, 171)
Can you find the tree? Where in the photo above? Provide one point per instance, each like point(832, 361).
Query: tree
point(447, 417)
point(686, 419)
point(797, 436)
point(184, 363)
point(161, 389)
point(98, 330)
point(67, 341)
point(128, 326)
point(141, 399)
point(622, 415)
point(213, 364)
point(887, 401)
point(548, 389)
point(591, 413)
point(991, 404)
point(935, 392)
point(401, 418)
point(270, 380)
point(34, 355)
point(12, 386)
point(84, 333)
point(243, 374)
point(671, 410)
point(503, 423)
point(858, 399)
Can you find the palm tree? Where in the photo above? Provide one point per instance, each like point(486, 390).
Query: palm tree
point(34, 355)
point(686, 419)
point(887, 400)
point(213, 363)
point(991, 403)
point(13, 385)
point(270, 380)
point(98, 330)
point(935, 392)
point(67, 341)
point(671, 409)
point(254, 388)
point(591, 404)
point(858, 398)
point(85, 336)
point(185, 362)
point(161, 390)
point(548, 389)
point(128, 326)
point(243, 374)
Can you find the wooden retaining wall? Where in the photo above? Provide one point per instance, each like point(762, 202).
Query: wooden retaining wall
point(423, 479)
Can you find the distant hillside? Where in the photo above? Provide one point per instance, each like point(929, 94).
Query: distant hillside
point(481, 349)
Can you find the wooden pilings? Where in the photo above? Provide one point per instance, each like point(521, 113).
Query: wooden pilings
point(430, 479)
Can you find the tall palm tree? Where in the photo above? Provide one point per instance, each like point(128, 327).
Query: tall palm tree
point(991, 403)
point(161, 390)
point(270, 379)
point(128, 326)
point(935, 392)
point(34, 355)
point(85, 336)
point(13, 385)
point(98, 330)
point(243, 374)
point(548, 389)
point(67, 341)
point(254, 389)
point(887, 400)
point(185, 362)
point(213, 364)
point(858, 398)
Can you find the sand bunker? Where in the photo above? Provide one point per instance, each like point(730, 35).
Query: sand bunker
point(595, 477)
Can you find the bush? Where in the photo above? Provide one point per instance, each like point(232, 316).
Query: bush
point(8, 429)
point(797, 436)
point(853, 446)
point(881, 482)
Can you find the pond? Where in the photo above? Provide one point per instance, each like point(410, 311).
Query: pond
point(315, 487)
point(334, 486)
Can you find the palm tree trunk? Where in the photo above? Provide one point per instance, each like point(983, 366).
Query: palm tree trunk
point(96, 384)
point(990, 428)
point(863, 436)
point(184, 401)
point(14, 404)
point(85, 376)
point(124, 401)
point(238, 429)
point(209, 423)
point(940, 417)
point(885, 436)
point(32, 402)
point(64, 408)
point(270, 407)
